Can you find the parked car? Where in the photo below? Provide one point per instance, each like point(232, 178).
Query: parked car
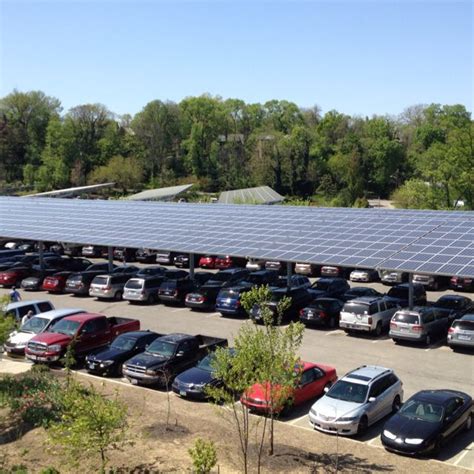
point(226, 261)
point(364, 275)
point(261, 277)
point(308, 269)
point(426, 421)
point(100, 267)
point(79, 283)
point(109, 287)
point(34, 282)
point(357, 400)
point(126, 270)
point(21, 260)
point(165, 258)
point(193, 383)
point(359, 292)
point(329, 288)
point(125, 254)
point(461, 333)
point(296, 281)
point(72, 250)
point(389, 277)
point(21, 308)
point(145, 255)
point(276, 266)
point(463, 284)
point(421, 324)
point(13, 276)
point(151, 271)
point(299, 299)
point(367, 314)
point(399, 294)
point(94, 251)
point(207, 261)
point(90, 331)
point(182, 260)
point(205, 297)
point(109, 360)
point(174, 290)
point(322, 312)
point(167, 356)
point(42, 322)
point(255, 264)
point(142, 289)
point(455, 306)
point(329, 271)
point(56, 283)
point(310, 382)
point(431, 282)
point(228, 300)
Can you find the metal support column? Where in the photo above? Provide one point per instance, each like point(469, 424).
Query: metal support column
point(191, 266)
point(110, 256)
point(410, 290)
point(289, 273)
point(41, 252)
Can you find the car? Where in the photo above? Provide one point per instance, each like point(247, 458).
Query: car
point(364, 275)
point(151, 271)
point(367, 314)
point(94, 251)
point(426, 421)
point(145, 255)
point(431, 282)
point(296, 281)
point(100, 267)
point(322, 312)
point(109, 360)
point(174, 290)
point(399, 294)
point(182, 260)
point(359, 292)
point(357, 400)
point(299, 299)
point(330, 271)
point(207, 261)
point(79, 283)
point(455, 306)
point(193, 383)
point(255, 264)
point(34, 282)
point(56, 283)
point(21, 308)
point(109, 286)
point(389, 277)
point(276, 266)
point(13, 276)
point(125, 254)
point(309, 383)
point(226, 261)
point(22, 260)
point(228, 300)
point(164, 257)
point(329, 288)
point(420, 324)
point(261, 277)
point(126, 270)
point(308, 269)
point(143, 289)
point(461, 333)
point(463, 284)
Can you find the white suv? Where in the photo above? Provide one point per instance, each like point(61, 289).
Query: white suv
point(357, 400)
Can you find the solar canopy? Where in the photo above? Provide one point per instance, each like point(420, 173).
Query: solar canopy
point(71, 191)
point(437, 242)
point(159, 194)
point(260, 195)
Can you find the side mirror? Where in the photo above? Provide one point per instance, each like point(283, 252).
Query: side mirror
point(180, 354)
point(326, 389)
point(371, 399)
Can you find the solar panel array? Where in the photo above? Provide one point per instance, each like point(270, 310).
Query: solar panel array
point(437, 242)
point(259, 195)
point(159, 193)
point(72, 191)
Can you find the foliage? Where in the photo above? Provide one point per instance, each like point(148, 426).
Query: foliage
point(90, 424)
point(126, 173)
point(203, 455)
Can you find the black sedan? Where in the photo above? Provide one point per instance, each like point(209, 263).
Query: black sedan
point(108, 361)
point(322, 312)
point(453, 306)
point(426, 421)
point(359, 291)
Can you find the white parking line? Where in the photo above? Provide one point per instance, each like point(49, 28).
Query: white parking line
point(336, 331)
point(212, 314)
point(467, 450)
point(178, 310)
point(293, 422)
point(375, 341)
point(371, 441)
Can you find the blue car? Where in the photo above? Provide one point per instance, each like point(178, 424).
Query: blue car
point(228, 300)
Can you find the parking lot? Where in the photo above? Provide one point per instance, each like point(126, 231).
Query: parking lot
point(419, 367)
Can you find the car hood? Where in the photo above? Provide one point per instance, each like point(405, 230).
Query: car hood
point(316, 293)
point(146, 359)
point(52, 338)
point(196, 376)
point(261, 391)
point(21, 337)
point(404, 427)
point(331, 408)
point(109, 353)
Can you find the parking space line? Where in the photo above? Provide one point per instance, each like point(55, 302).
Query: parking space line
point(372, 440)
point(466, 450)
point(293, 422)
point(336, 331)
point(375, 341)
point(178, 310)
point(212, 314)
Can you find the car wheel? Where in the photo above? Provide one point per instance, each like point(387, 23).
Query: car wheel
point(437, 446)
point(151, 299)
point(118, 295)
point(363, 425)
point(428, 340)
point(332, 323)
point(378, 329)
point(396, 404)
point(468, 424)
point(395, 340)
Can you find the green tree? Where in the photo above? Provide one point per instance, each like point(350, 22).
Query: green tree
point(203, 455)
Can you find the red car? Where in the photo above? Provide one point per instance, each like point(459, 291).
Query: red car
point(13, 276)
point(310, 384)
point(56, 283)
point(226, 261)
point(207, 261)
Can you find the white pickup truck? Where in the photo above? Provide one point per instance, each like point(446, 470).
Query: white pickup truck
point(367, 314)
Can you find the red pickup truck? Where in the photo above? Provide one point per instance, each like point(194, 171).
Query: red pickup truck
point(91, 331)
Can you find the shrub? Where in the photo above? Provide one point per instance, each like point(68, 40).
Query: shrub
point(203, 455)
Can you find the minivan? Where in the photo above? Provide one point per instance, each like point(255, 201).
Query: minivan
point(109, 286)
point(21, 308)
point(421, 324)
point(144, 289)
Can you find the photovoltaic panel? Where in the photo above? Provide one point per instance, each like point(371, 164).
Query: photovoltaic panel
point(258, 195)
point(403, 240)
point(159, 193)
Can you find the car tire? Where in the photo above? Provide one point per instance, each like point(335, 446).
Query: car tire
point(378, 329)
point(363, 425)
point(151, 299)
point(396, 404)
point(437, 446)
point(428, 340)
point(332, 323)
point(118, 296)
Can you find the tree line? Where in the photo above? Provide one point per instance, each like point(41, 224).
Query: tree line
point(423, 158)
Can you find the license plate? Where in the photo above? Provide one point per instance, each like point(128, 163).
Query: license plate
point(33, 357)
point(91, 365)
point(464, 338)
point(134, 381)
point(182, 393)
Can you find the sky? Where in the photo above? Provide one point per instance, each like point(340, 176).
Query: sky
point(356, 57)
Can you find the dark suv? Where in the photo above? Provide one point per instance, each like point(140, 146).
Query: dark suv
point(399, 294)
point(262, 277)
point(329, 288)
point(299, 299)
point(175, 290)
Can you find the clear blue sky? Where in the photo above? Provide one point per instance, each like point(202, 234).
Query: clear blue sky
point(358, 57)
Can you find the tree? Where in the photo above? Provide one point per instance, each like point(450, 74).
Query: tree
point(7, 323)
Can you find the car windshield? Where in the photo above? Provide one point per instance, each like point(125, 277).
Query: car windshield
point(123, 343)
point(254, 279)
point(220, 277)
point(464, 325)
point(134, 284)
point(348, 391)
point(100, 281)
point(205, 363)
point(398, 292)
point(163, 348)
point(69, 328)
point(421, 410)
point(321, 285)
point(227, 294)
point(321, 304)
point(34, 325)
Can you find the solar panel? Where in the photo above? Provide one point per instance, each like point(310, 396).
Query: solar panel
point(159, 193)
point(258, 195)
point(71, 191)
point(437, 242)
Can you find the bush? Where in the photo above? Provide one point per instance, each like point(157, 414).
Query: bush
point(203, 455)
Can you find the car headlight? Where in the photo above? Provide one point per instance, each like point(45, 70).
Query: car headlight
point(151, 372)
point(106, 363)
point(347, 418)
point(413, 440)
point(54, 348)
point(389, 434)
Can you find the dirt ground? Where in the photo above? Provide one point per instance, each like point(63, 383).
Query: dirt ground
point(156, 447)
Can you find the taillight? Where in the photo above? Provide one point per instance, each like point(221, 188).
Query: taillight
point(301, 312)
point(416, 328)
point(369, 319)
point(201, 299)
point(454, 279)
point(467, 280)
point(450, 330)
point(322, 314)
point(237, 303)
point(393, 325)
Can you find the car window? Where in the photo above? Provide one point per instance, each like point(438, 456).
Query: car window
point(24, 309)
point(440, 316)
point(45, 306)
point(428, 317)
point(377, 388)
point(88, 327)
point(318, 373)
point(101, 324)
point(186, 346)
point(374, 308)
point(307, 377)
point(451, 407)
